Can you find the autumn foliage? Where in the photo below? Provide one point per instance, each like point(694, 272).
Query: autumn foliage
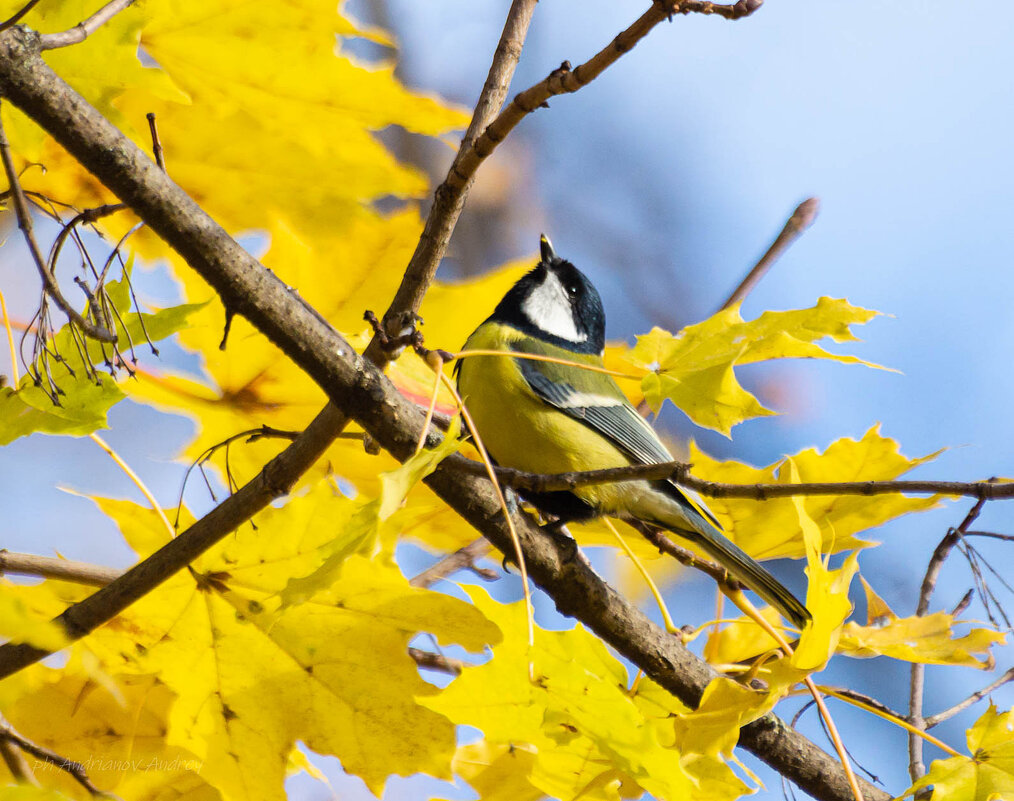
point(297, 627)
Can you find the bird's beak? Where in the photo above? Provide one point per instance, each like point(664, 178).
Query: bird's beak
point(548, 254)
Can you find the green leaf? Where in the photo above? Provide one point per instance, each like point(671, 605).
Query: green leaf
point(85, 397)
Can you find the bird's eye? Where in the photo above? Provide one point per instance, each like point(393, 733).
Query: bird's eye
point(572, 290)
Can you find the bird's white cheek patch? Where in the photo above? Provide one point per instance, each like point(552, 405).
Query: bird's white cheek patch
point(548, 308)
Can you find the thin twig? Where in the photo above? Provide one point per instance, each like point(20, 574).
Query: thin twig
point(86, 217)
point(156, 143)
point(462, 559)
point(10, 22)
point(85, 28)
point(685, 556)
point(25, 224)
point(15, 760)
point(432, 661)
point(961, 706)
point(74, 769)
point(27, 564)
point(801, 219)
point(564, 79)
point(449, 197)
point(679, 472)
point(917, 672)
point(846, 693)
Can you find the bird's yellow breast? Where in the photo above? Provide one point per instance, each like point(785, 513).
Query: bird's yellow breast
point(519, 429)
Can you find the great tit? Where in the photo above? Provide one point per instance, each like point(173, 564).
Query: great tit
point(543, 417)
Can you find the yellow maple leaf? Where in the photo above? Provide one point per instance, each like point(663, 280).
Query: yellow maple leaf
point(247, 71)
point(253, 677)
point(498, 772)
point(579, 698)
point(929, 639)
point(363, 531)
point(508, 771)
point(827, 594)
point(119, 739)
point(100, 68)
point(987, 774)
point(713, 728)
point(741, 639)
point(19, 622)
point(770, 528)
point(694, 368)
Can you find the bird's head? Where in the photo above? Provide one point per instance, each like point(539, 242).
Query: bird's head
point(557, 303)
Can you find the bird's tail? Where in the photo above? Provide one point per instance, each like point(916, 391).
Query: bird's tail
point(747, 570)
point(695, 527)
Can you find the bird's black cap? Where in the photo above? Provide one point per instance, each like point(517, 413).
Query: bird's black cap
point(555, 302)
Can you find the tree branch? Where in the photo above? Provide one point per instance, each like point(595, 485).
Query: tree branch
point(70, 118)
point(431, 661)
point(801, 219)
point(27, 564)
point(25, 224)
point(459, 560)
point(449, 197)
point(361, 391)
point(564, 80)
point(14, 758)
point(961, 706)
point(74, 769)
point(917, 672)
point(679, 472)
point(85, 28)
point(17, 16)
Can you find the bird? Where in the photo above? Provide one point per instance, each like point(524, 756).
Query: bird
point(544, 417)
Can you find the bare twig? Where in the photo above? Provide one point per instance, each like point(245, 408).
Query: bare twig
point(25, 224)
point(685, 556)
point(251, 435)
point(566, 80)
point(16, 18)
point(86, 217)
point(26, 564)
point(74, 769)
point(156, 143)
point(961, 706)
point(868, 700)
point(431, 661)
point(679, 472)
point(14, 759)
point(801, 219)
point(85, 28)
point(462, 559)
point(449, 197)
point(917, 672)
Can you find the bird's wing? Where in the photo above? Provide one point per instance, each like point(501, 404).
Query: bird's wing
point(612, 416)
